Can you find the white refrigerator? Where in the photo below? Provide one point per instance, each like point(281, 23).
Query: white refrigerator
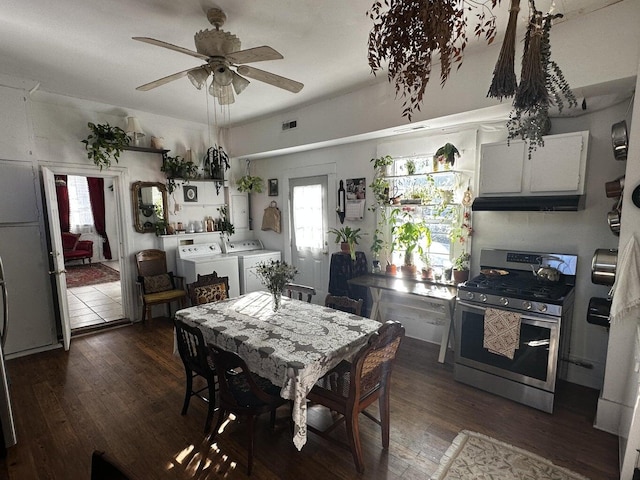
point(6, 414)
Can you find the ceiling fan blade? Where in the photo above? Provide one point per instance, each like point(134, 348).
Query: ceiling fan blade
point(170, 46)
point(163, 80)
point(270, 78)
point(257, 54)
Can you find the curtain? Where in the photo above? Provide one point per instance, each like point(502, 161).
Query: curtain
point(96, 196)
point(62, 193)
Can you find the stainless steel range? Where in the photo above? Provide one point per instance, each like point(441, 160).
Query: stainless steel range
point(535, 292)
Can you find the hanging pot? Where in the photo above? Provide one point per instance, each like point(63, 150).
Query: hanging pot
point(620, 140)
point(603, 266)
point(614, 188)
point(614, 217)
point(598, 311)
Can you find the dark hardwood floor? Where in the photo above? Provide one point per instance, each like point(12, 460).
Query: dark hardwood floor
point(121, 391)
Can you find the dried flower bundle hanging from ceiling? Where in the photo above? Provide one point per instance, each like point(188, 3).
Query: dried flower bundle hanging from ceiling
point(504, 83)
point(408, 32)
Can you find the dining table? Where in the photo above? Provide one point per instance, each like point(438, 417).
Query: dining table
point(293, 347)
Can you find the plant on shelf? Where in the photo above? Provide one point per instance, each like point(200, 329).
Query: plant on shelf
point(445, 155)
point(427, 268)
point(348, 238)
point(225, 225)
point(178, 168)
point(381, 164)
point(105, 143)
point(408, 236)
point(250, 184)
point(410, 165)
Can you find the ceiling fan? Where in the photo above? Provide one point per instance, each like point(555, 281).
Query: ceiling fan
point(224, 62)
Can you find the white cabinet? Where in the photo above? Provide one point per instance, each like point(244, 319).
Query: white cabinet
point(558, 168)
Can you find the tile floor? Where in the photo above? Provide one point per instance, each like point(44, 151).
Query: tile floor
point(95, 305)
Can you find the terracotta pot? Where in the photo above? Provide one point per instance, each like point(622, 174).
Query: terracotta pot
point(391, 269)
point(344, 247)
point(409, 270)
point(427, 273)
point(460, 276)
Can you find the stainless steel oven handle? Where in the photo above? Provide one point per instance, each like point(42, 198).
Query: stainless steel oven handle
point(523, 315)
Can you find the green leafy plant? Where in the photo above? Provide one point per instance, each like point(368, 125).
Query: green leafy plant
point(381, 163)
point(250, 184)
point(225, 225)
point(408, 236)
point(446, 154)
point(349, 236)
point(105, 143)
point(461, 263)
point(178, 168)
point(275, 274)
point(216, 162)
point(410, 165)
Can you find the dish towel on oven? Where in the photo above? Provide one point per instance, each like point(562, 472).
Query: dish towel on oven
point(501, 332)
point(626, 288)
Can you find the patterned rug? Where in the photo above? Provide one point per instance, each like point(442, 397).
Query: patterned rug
point(94, 274)
point(473, 456)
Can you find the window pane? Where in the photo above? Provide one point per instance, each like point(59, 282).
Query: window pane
point(307, 216)
point(80, 216)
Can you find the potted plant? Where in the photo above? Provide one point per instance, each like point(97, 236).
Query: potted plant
point(461, 268)
point(445, 155)
point(408, 236)
point(105, 143)
point(427, 268)
point(381, 165)
point(178, 168)
point(216, 162)
point(348, 239)
point(250, 184)
point(224, 224)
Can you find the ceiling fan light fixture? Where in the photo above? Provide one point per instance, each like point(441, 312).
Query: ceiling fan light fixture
point(198, 77)
point(239, 83)
point(222, 75)
point(223, 93)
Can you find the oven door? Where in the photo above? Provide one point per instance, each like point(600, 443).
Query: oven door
point(535, 360)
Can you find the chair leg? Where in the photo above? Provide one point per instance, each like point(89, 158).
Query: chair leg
point(353, 435)
point(189, 389)
point(212, 403)
point(250, 425)
point(383, 402)
point(222, 414)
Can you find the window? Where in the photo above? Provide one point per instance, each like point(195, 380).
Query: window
point(307, 216)
point(80, 216)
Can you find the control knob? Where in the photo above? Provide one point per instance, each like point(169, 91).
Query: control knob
point(470, 295)
point(483, 297)
point(504, 301)
point(526, 305)
point(542, 307)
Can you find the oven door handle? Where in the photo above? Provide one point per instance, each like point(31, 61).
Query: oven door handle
point(523, 316)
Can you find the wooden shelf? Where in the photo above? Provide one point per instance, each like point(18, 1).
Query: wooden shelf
point(146, 149)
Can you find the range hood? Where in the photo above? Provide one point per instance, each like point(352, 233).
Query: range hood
point(530, 203)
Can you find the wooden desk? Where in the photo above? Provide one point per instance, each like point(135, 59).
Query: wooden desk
point(293, 347)
point(443, 295)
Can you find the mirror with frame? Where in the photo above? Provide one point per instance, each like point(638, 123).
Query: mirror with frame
point(149, 201)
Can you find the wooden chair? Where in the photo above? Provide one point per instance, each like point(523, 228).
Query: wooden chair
point(208, 288)
point(243, 392)
point(344, 304)
point(299, 291)
point(155, 284)
point(360, 384)
point(103, 468)
point(197, 362)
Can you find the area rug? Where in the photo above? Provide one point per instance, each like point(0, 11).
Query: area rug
point(473, 456)
point(94, 274)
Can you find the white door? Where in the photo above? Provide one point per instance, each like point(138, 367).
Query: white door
point(56, 254)
point(308, 210)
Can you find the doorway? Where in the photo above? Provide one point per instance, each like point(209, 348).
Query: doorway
point(89, 303)
point(309, 225)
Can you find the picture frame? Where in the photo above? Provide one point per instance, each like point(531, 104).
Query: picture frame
point(273, 187)
point(190, 193)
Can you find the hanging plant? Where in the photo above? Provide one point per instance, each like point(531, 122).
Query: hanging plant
point(446, 154)
point(542, 84)
point(105, 143)
point(504, 83)
point(177, 168)
point(409, 32)
point(250, 184)
point(216, 162)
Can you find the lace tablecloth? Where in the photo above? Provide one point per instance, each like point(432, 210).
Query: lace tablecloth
point(292, 347)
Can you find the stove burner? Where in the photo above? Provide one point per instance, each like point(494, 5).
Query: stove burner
point(523, 285)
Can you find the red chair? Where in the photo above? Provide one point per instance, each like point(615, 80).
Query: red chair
point(75, 249)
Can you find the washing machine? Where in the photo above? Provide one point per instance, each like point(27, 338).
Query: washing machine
point(204, 259)
point(250, 253)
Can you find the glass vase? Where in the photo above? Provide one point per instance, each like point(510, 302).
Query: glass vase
point(276, 300)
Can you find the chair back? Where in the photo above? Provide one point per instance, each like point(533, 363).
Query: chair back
point(344, 304)
point(237, 386)
point(151, 262)
point(372, 366)
point(294, 290)
point(208, 288)
point(192, 347)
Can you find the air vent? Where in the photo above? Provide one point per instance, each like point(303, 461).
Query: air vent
point(290, 125)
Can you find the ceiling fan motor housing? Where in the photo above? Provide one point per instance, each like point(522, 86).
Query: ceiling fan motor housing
point(216, 43)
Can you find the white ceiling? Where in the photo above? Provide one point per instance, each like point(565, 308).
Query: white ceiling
point(83, 48)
